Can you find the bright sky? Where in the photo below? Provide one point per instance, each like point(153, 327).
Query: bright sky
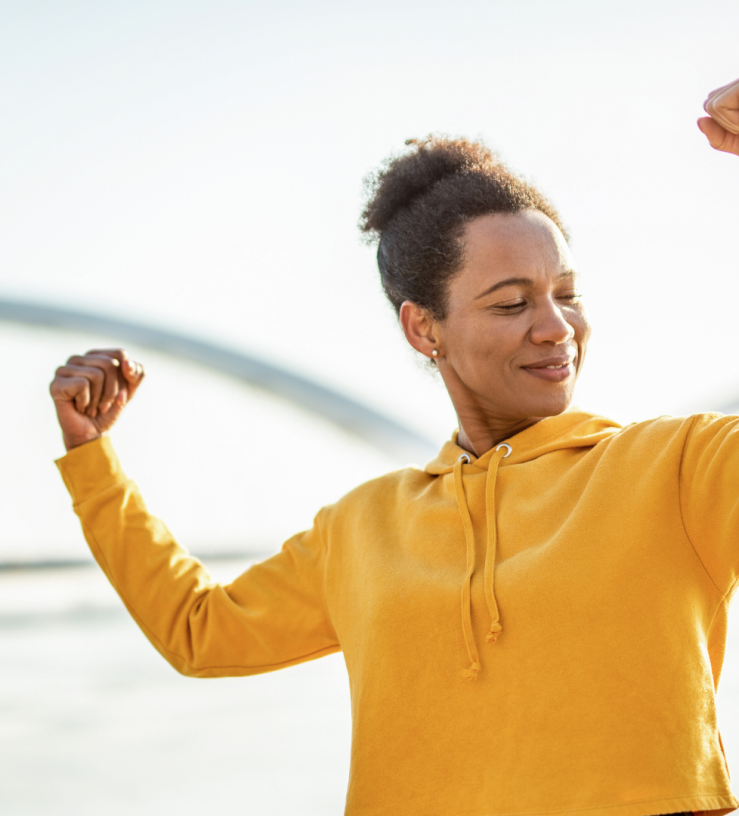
point(198, 165)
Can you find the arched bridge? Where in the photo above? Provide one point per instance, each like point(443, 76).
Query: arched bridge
point(371, 426)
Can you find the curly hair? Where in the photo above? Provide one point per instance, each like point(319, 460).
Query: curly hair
point(418, 204)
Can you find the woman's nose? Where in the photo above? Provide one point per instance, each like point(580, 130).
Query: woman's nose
point(551, 326)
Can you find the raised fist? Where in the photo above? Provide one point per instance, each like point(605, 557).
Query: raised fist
point(721, 126)
point(90, 392)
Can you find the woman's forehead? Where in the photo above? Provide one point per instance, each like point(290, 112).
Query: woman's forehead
point(520, 244)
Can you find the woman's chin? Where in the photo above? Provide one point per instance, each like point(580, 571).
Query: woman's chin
point(550, 404)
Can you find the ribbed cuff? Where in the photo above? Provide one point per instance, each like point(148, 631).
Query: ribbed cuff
point(90, 469)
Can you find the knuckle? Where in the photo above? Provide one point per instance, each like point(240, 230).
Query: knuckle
point(105, 365)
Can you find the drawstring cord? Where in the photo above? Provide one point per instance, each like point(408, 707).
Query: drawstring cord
point(501, 452)
point(492, 542)
point(469, 535)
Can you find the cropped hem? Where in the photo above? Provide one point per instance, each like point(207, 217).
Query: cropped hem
point(715, 805)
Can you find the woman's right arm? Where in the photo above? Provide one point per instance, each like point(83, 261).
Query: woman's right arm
point(272, 616)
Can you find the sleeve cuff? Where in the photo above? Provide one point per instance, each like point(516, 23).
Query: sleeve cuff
point(90, 469)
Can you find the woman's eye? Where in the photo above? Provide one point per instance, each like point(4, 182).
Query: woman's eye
point(572, 297)
point(570, 300)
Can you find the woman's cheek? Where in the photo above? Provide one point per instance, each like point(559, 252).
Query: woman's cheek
point(580, 323)
point(583, 330)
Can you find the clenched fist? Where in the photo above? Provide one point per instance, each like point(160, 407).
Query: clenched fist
point(90, 392)
point(721, 126)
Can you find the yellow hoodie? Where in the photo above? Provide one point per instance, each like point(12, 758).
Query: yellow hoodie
point(538, 630)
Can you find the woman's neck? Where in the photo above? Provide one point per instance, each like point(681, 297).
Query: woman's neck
point(482, 424)
point(478, 435)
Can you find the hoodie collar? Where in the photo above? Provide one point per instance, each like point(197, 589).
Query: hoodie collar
point(572, 429)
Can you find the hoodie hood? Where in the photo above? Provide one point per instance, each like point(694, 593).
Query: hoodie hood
point(572, 429)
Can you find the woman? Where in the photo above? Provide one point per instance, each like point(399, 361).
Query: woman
point(535, 623)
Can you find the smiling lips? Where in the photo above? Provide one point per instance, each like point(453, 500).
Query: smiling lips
point(553, 369)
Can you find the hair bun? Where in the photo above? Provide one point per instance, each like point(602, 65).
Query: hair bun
point(403, 179)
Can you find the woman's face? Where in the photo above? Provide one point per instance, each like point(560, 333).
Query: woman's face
point(513, 341)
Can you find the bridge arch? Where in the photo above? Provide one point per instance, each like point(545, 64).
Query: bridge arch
point(373, 427)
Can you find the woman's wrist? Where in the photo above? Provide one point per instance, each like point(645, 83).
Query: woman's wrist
point(71, 442)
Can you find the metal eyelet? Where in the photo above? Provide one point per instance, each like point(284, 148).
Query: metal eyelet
point(505, 445)
point(465, 457)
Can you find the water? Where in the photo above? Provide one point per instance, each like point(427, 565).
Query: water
point(93, 720)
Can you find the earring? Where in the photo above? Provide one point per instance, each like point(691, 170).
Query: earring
point(435, 353)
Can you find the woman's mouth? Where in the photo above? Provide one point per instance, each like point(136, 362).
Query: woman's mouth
point(551, 371)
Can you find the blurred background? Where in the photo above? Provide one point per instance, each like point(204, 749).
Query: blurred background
point(197, 168)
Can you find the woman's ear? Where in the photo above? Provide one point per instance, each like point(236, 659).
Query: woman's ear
point(419, 328)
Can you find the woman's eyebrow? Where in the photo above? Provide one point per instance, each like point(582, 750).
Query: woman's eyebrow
point(569, 273)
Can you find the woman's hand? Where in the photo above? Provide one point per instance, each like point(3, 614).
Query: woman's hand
point(90, 392)
point(721, 126)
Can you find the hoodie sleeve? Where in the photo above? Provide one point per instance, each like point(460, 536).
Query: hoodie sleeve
point(272, 616)
point(709, 495)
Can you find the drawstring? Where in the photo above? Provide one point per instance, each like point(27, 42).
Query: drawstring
point(501, 452)
point(492, 543)
point(469, 534)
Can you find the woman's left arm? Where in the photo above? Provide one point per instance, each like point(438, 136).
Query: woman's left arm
point(721, 126)
point(709, 495)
